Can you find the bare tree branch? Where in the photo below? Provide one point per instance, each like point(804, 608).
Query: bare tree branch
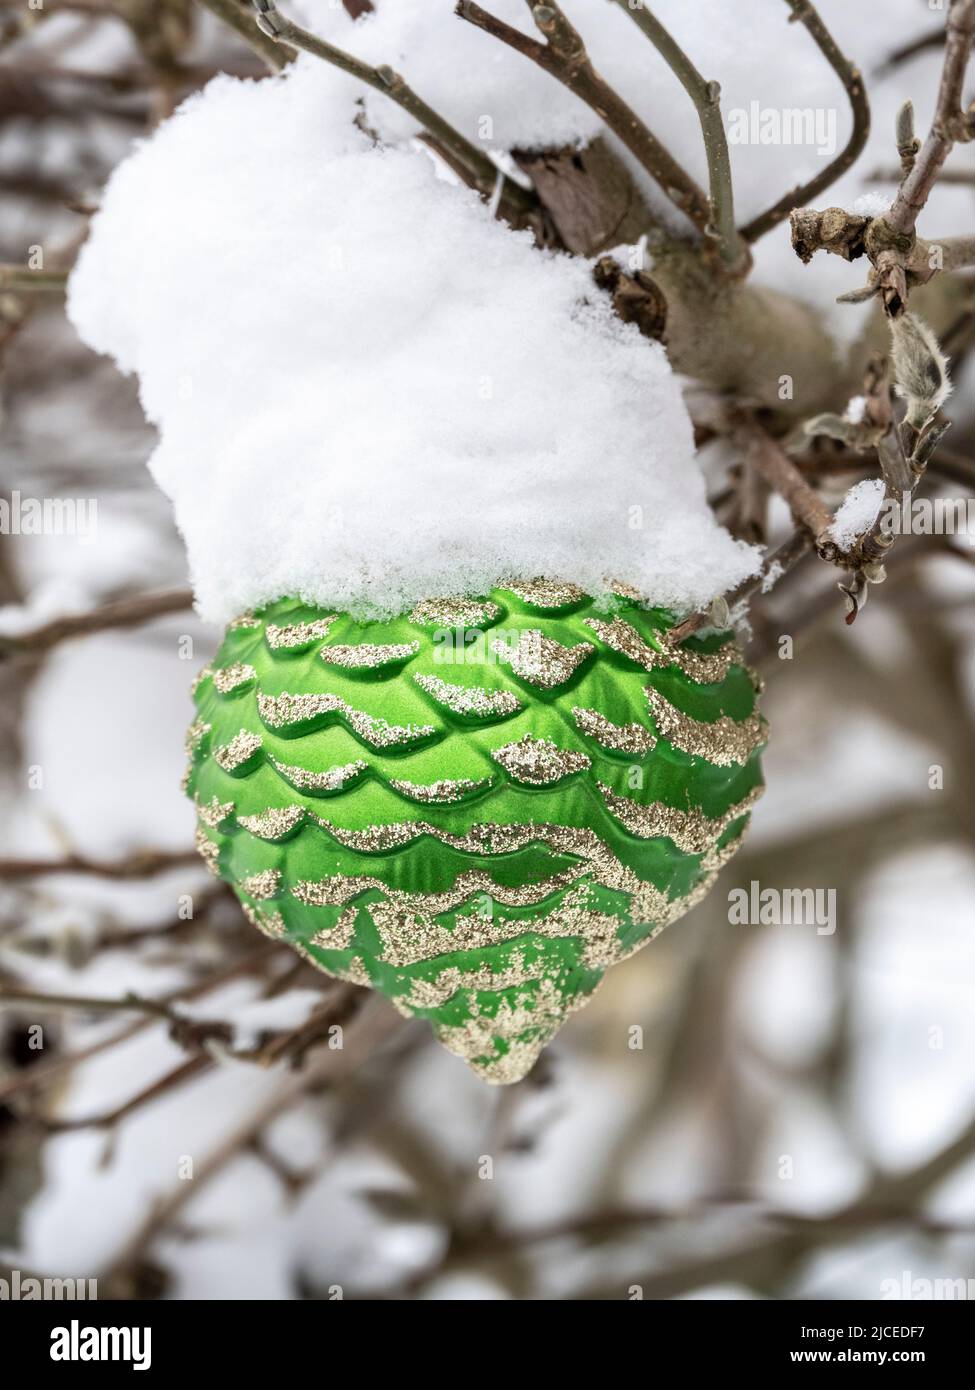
point(564, 56)
point(276, 55)
point(950, 124)
point(933, 38)
point(788, 554)
point(706, 97)
point(785, 478)
point(484, 174)
point(126, 612)
point(374, 1025)
point(41, 1074)
point(21, 280)
point(143, 864)
point(851, 77)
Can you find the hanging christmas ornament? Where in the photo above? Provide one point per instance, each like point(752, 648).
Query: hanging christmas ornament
point(478, 807)
point(370, 392)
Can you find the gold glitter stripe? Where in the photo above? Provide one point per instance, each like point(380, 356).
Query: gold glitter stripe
point(334, 779)
point(514, 1065)
point(691, 831)
point(706, 669)
point(715, 859)
point(243, 620)
point(621, 738)
point(455, 612)
point(275, 822)
point(280, 711)
point(230, 678)
point(540, 660)
point(195, 735)
point(545, 593)
point(624, 590)
point(434, 993)
point(213, 813)
point(621, 637)
point(541, 1013)
point(442, 792)
point(272, 924)
point(208, 851)
point(339, 889)
point(355, 970)
point(339, 937)
point(298, 634)
point(470, 699)
point(335, 891)
point(199, 678)
point(726, 742)
point(368, 656)
point(538, 762)
point(241, 749)
point(648, 903)
point(266, 884)
point(409, 937)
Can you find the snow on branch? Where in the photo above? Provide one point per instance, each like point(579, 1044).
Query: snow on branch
point(564, 57)
point(482, 174)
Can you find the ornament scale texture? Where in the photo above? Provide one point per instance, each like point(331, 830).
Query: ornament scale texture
point(478, 807)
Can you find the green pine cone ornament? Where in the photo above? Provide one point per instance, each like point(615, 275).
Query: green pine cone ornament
point(478, 807)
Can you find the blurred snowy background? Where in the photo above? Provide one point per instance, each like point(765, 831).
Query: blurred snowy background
point(742, 1111)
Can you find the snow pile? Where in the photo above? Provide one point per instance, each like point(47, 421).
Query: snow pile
point(857, 512)
point(368, 391)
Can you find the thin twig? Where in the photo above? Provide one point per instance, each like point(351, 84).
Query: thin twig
point(129, 1003)
point(21, 280)
point(565, 58)
point(484, 175)
point(142, 864)
point(788, 554)
point(950, 123)
point(126, 612)
point(852, 79)
point(784, 477)
point(706, 97)
point(185, 1071)
point(340, 1005)
point(949, 463)
point(373, 1026)
point(899, 260)
point(749, 516)
point(276, 55)
point(933, 38)
point(42, 1073)
point(963, 177)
